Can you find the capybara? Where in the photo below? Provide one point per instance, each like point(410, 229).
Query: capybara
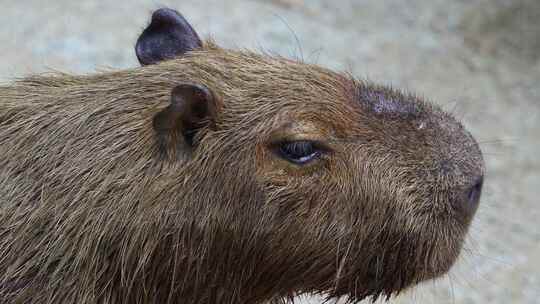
point(210, 175)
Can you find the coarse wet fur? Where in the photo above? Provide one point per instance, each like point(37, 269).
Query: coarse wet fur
point(99, 205)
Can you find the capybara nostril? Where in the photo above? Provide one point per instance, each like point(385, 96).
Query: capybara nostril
point(468, 197)
point(473, 194)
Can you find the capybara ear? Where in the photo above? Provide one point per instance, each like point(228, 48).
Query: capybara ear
point(168, 35)
point(192, 107)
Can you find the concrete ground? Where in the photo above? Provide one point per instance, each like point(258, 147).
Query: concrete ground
point(480, 59)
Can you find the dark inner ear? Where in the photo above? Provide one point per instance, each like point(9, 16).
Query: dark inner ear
point(192, 108)
point(168, 35)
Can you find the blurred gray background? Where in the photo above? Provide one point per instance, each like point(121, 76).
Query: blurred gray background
point(479, 59)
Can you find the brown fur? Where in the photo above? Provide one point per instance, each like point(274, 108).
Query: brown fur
point(93, 211)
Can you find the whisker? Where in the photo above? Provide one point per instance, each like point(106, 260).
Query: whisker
point(487, 153)
point(497, 141)
point(455, 103)
point(300, 50)
point(316, 52)
point(451, 284)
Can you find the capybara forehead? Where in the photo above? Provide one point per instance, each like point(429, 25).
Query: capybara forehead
point(263, 74)
point(251, 84)
point(261, 78)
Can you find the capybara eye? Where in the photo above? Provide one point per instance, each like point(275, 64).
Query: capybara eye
point(299, 152)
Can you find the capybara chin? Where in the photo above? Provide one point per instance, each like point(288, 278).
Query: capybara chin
point(219, 176)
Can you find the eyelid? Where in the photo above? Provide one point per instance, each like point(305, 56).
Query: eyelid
point(318, 144)
point(322, 146)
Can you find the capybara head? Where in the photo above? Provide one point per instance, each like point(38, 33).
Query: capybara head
point(219, 176)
